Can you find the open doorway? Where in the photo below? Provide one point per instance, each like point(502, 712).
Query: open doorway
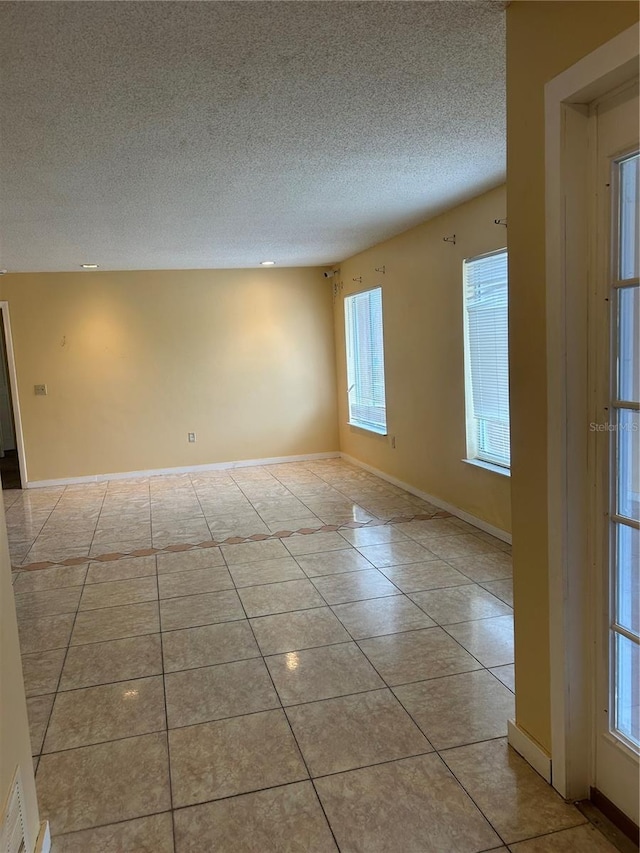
point(12, 474)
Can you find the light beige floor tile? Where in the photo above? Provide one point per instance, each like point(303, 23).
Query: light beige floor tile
point(153, 834)
point(354, 731)
point(119, 570)
point(354, 586)
point(115, 660)
point(208, 645)
point(234, 756)
point(517, 801)
point(194, 582)
point(492, 566)
point(377, 535)
point(192, 533)
point(115, 593)
point(419, 576)
point(333, 562)
point(38, 710)
point(460, 604)
point(184, 561)
point(424, 531)
point(280, 597)
point(110, 711)
point(250, 552)
point(414, 805)
point(581, 839)
point(506, 674)
point(500, 544)
point(459, 709)
point(112, 623)
point(119, 546)
point(33, 605)
point(105, 783)
point(322, 673)
point(417, 655)
point(314, 543)
point(501, 589)
point(380, 616)
point(489, 640)
point(303, 629)
point(287, 820)
point(266, 571)
point(214, 692)
point(55, 553)
point(311, 522)
point(464, 545)
point(48, 632)
point(193, 610)
point(41, 671)
point(121, 533)
point(57, 578)
point(276, 509)
point(396, 553)
point(221, 528)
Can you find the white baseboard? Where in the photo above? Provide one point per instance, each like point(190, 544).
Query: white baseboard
point(454, 510)
point(529, 749)
point(184, 469)
point(43, 844)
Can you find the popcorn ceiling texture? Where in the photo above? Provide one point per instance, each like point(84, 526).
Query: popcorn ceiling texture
point(174, 135)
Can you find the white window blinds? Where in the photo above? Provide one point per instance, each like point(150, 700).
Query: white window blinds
point(487, 358)
point(365, 360)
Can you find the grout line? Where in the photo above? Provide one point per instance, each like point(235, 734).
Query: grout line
point(166, 710)
point(279, 699)
point(348, 546)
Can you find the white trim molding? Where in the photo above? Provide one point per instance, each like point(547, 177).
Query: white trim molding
point(454, 510)
point(529, 749)
point(567, 97)
point(43, 844)
point(185, 469)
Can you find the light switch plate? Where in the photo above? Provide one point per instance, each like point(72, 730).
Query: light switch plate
point(40, 390)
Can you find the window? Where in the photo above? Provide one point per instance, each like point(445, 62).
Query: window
point(487, 359)
point(365, 360)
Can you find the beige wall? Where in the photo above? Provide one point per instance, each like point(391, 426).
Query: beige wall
point(543, 39)
point(15, 747)
point(133, 361)
point(424, 357)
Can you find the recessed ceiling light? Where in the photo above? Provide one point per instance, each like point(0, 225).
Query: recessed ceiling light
point(89, 266)
point(267, 263)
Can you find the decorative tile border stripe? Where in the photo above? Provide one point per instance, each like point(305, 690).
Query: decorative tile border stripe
point(231, 540)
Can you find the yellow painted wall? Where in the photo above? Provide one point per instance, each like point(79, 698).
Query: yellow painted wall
point(15, 746)
point(424, 357)
point(543, 39)
point(133, 361)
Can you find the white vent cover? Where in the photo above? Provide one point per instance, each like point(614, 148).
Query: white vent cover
point(12, 825)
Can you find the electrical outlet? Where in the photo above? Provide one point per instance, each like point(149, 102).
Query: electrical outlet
point(40, 390)
point(192, 437)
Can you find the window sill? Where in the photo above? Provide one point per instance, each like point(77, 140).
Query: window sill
point(364, 428)
point(489, 466)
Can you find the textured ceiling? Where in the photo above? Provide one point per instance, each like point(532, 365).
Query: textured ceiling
point(158, 135)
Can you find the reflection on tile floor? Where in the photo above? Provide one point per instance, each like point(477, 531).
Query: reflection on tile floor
point(344, 689)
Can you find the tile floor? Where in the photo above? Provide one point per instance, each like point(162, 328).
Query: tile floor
point(344, 689)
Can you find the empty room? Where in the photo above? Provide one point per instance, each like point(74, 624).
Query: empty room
point(319, 415)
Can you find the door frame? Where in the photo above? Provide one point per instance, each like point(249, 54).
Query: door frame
point(15, 400)
point(568, 267)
